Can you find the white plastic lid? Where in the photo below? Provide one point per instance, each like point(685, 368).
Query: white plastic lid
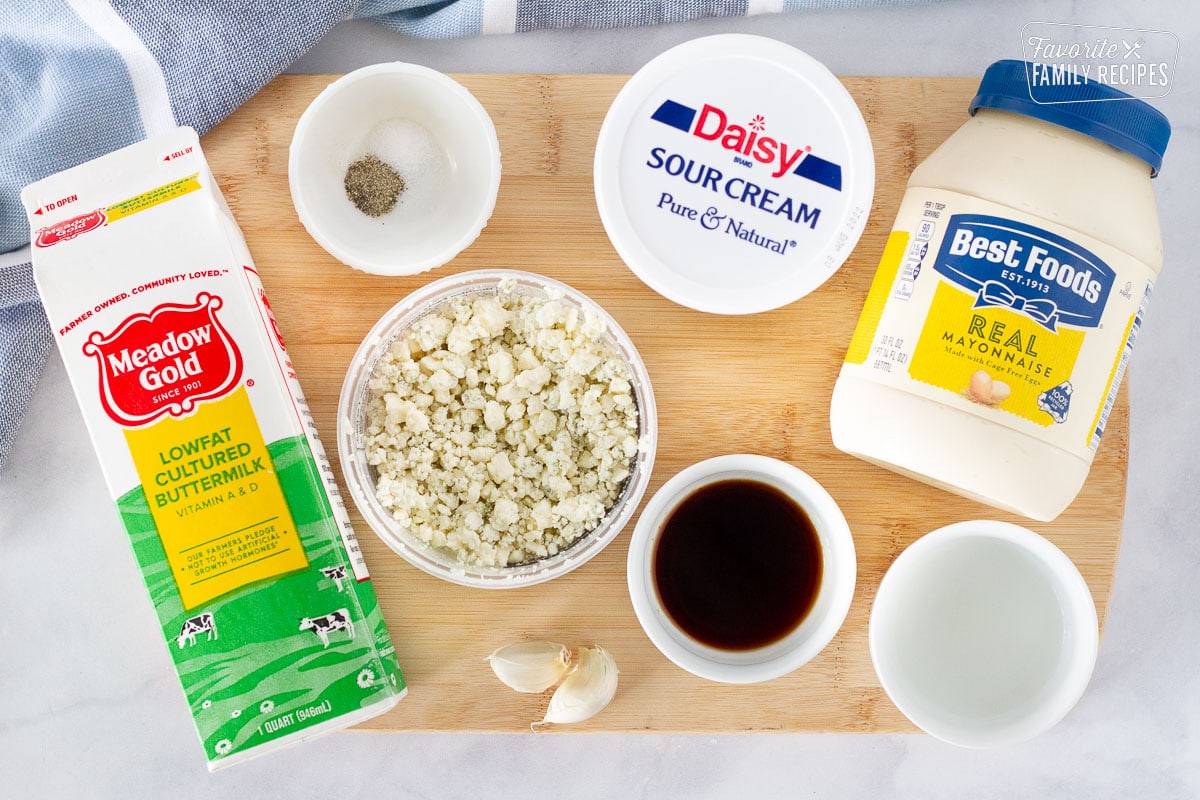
point(734, 174)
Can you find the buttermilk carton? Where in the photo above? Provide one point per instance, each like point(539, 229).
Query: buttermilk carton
point(209, 450)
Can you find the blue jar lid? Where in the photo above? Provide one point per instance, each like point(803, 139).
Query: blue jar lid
point(1123, 121)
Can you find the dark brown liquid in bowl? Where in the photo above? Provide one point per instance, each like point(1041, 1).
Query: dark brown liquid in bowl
point(738, 565)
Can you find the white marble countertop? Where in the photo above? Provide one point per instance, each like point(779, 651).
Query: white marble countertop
point(89, 705)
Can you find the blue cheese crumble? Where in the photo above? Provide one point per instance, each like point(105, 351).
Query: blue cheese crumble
point(501, 427)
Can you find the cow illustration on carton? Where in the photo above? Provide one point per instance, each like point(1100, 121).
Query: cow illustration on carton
point(323, 626)
point(201, 623)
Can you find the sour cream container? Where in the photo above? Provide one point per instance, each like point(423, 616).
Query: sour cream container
point(734, 174)
point(1000, 321)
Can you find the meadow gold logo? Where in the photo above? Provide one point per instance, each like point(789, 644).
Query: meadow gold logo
point(165, 362)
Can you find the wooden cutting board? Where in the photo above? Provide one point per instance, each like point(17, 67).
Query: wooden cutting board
point(757, 384)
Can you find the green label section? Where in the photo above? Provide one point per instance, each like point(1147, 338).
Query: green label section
point(283, 654)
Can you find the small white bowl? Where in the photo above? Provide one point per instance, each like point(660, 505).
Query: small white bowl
point(839, 568)
point(361, 476)
point(426, 126)
point(983, 634)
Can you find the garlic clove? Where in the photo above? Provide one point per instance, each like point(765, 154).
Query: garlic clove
point(530, 666)
point(587, 690)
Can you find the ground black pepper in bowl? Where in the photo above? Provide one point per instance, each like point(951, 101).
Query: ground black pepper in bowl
point(373, 186)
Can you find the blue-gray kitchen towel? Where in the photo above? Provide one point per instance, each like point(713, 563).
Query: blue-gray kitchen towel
point(79, 78)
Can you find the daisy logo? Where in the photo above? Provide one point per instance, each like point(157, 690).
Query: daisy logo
point(223, 747)
point(366, 678)
point(748, 144)
point(266, 706)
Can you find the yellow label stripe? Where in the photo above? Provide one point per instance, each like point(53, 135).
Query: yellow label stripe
point(1112, 377)
point(207, 477)
point(154, 197)
point(959, 340)
point(877, 296)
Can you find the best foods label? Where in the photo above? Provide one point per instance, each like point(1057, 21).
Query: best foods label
point(209, 450)
point(1013, 318)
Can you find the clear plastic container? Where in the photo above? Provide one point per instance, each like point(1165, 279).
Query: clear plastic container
point(995, 335)
point(360, 476)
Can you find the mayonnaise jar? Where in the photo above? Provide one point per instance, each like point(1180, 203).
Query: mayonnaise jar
point(997, 329)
